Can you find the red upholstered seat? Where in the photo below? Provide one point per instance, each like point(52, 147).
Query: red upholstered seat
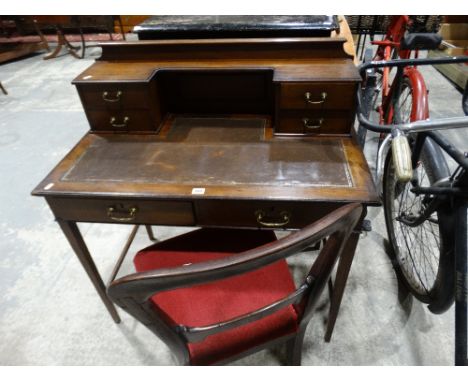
point(225, 299)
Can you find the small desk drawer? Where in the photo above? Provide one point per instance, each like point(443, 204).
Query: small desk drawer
point(123, 211)
point(313, 123)
point(260, 214)
point(115, 96)
point(317, 95)
point(121, 121)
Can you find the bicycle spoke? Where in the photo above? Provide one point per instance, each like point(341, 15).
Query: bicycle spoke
point(405, 104)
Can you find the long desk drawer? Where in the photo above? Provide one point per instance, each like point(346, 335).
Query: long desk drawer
point(123, 211)
point(260, 214)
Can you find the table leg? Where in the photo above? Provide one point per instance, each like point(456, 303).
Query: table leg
point(121, 27)
point(63, 42)
point(3, 89)
point(74, 237)
point(41, 36)
point(344, 266)
point(70, 48)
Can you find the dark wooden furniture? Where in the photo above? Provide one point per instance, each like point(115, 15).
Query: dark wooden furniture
point(246, 133)
point(61, 25)
point(13, 43)
point(215, 295)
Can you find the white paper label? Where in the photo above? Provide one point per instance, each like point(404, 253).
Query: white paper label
point(198, 191)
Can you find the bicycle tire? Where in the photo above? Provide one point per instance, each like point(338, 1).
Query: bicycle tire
point(436, 291)
point(461, 303)
point(410, 246)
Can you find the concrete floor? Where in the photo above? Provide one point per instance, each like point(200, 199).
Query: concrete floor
point(49, 311)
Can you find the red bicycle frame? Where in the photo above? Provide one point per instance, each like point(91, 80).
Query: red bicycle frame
point(386, 50)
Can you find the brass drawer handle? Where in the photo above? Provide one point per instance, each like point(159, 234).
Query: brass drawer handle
point(105, 97)
point(308, 96)
point(309, 125)
point(283, 219)
point(119, 125)
point(122, 215)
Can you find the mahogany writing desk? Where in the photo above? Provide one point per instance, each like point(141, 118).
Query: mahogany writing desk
point(252, 133)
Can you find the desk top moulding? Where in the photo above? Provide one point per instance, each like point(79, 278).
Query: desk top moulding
point(293, 59)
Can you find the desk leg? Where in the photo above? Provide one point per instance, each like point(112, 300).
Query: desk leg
point(74, 237)
point(344, 266)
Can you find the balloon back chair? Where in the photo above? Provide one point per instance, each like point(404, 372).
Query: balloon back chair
point(216, 295)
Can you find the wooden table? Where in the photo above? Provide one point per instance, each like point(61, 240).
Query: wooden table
point(253, 133)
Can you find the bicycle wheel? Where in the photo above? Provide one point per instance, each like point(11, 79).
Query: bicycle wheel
point(422, 255)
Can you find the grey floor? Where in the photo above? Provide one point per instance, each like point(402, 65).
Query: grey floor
point(49, 311)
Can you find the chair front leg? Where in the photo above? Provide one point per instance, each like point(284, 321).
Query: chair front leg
point(294, 348)
point(344, 266)
point(149, 230)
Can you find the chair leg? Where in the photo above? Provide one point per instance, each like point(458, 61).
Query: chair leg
point(342, 272)
point(330, 288)
point(294, 349)
point(149, 230)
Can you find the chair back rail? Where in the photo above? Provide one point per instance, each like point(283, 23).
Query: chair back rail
point(196, 334)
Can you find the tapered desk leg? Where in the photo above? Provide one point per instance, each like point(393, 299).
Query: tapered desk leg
point(74, 237)
point(344, 266)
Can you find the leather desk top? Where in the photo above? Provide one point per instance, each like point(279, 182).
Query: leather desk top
point(229, 160)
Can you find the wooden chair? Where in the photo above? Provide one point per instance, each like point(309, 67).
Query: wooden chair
point(215, 295)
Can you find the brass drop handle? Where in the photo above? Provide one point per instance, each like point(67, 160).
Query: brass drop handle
point(310, 125)
point(105, 96)
point(283, 220)
point(122, 215)
point(119, 125)
point(308, 96)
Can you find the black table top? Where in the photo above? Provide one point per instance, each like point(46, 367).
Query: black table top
point(174, 27)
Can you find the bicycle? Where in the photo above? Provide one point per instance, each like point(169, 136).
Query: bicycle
point(402, 39)
point(425, 204)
